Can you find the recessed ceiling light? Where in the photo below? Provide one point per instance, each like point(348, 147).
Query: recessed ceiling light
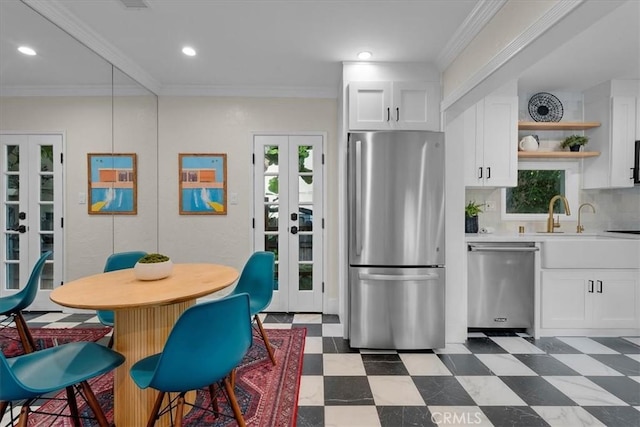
point(26, 50)
point(364, 55)
point(189, 51)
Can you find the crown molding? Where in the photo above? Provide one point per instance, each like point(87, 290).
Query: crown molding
point(250, 91)
point(557, 12)
point(73, 90)
point(481, 14)
point(60, 16)
point(62, 90)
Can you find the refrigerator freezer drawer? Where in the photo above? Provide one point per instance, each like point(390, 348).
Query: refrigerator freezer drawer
point(396, 308)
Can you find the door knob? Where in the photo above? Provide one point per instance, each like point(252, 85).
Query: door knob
point(294, 216)
point(294, 230)
point(20, 229)
point(22, 215)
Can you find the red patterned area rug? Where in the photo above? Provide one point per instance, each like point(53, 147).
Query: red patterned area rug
point(267, 394)
point(48, 337)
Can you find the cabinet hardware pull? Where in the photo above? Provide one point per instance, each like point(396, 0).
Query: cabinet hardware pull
point(590, 286)
point(397, 114)
point(388, 113)
point(488, 173)
point(599, 286)
point(479, 173)
point(631, 169)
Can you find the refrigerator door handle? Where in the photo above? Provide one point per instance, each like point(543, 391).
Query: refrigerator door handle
point(358, 196)
point(399, 277)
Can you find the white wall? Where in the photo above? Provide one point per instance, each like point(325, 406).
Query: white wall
point(224, 125)
point(88, 127)
point(186, 125)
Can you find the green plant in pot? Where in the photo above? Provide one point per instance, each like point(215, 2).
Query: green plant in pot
point(574, 142)
point(471, 211)
point(153, 266)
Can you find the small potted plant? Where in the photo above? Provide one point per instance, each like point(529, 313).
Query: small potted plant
point(471, 211)
point(153, 266)
point(574, 142)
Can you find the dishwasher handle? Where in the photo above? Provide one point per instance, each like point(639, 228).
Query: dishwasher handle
point(474, 248)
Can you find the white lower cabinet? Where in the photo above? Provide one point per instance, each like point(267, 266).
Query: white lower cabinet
point(590, 299)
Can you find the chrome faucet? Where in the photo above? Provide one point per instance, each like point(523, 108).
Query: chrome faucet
point(551, 224)
point(580, 228)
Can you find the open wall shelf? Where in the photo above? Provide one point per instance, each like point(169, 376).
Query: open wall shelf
point(557, 125)
point(557, 154)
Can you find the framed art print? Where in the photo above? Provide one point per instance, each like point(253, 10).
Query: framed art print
point(203, 184)
point(112, 184)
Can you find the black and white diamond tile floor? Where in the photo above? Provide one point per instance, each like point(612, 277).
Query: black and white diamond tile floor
point(488, 380)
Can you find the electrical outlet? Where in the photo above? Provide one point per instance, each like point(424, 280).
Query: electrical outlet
point(489, 206)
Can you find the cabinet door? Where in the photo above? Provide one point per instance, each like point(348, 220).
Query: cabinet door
point(565, 299)
point(472, 149)
point(616, 299)
point(623, 129)
point(416, 106)
point(369, 105)
point(500, 141)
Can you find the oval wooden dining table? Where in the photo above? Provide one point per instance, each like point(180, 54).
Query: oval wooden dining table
point(145, 312)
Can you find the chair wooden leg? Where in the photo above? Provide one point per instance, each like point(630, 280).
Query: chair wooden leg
point(214, 401)
point(180, 410)
point(24, 414)
point(73, 406)
point(94, 404)
point(233, 378)
point(266, 340)
point(156, 408)
point(3, 408)
point(234, 403)
point(25, 336)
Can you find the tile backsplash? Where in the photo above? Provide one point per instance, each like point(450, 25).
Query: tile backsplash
point(615, 209)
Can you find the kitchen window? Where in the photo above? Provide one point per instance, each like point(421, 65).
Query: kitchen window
point(538, 182)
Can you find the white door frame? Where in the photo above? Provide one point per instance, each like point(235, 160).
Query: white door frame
point(322, 221)
point(42, 301)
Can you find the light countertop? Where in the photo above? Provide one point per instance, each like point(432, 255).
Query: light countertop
point(544, 237)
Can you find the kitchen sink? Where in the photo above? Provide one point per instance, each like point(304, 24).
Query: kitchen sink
point(590, 252)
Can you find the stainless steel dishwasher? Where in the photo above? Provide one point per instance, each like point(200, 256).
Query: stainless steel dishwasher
point(501, 285)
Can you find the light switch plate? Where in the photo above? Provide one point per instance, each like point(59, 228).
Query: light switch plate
point(82, 198)
point(233, 198)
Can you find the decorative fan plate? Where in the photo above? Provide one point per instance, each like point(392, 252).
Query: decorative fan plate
point(545, 107)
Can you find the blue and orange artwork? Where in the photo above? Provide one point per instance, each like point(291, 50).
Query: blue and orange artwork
point(112, 183)
point(203, 184)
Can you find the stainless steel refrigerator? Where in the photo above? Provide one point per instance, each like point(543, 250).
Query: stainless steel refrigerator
point(396, 239)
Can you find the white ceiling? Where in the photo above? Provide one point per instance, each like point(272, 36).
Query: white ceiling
point(245, 46)
point(608, 49)
point(258, 44)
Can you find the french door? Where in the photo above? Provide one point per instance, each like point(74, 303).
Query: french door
point(31, 213)
point(288, 217)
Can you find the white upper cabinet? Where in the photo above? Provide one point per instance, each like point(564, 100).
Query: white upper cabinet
point(490, 138)
point(614, 104)
point(394, 105)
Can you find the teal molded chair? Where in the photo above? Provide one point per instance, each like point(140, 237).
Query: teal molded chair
point(12, 306)
point(30, 376)
point(257, 281)
point(205, 345)
point(117, 261)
